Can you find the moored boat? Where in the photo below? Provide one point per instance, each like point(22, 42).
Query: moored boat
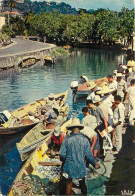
point(21, 120)
point(39, 133)
point(49, 60)
point(82, 91)
point(31, 171)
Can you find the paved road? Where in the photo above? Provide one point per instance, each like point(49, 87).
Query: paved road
point(24, 46)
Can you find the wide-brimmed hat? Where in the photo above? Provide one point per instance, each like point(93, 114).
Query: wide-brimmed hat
point(91, 85)
point(119, 75)
point(115, 71)
point(75, 123)
point(105, 90)
point(57, 131)
point(51, 95)
point(97, 99)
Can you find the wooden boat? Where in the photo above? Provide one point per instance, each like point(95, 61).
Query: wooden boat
point(38, 158)
point(39, 133)
point(20, 120)
point(28, 62)
point(83, 90)
point(49, 60)
point(40, 175)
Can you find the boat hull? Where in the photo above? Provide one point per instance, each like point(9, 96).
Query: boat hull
point(15, 130)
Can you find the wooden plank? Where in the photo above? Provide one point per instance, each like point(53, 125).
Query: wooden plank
point(50, 163)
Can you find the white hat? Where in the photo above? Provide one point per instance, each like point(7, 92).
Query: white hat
point(119, 75)
point(105, 89)
point(75, 123)
point(97, 99)
point(51, 96)
point(115, 71)
point(91, 85)
point(57, 131)
point(56, 106)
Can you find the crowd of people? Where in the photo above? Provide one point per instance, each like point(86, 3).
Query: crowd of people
point(104, 116)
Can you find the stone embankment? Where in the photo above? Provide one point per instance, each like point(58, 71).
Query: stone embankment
point(15, 54)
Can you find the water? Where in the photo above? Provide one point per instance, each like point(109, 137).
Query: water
point(20, 87)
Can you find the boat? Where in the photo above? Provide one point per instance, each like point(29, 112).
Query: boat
point(41, 173)
point(31, 167)
point(39, 133)
point(82, 91)
point(21, 120)
point(28, 62)
point(49, 60)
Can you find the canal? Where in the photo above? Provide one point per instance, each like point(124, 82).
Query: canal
point(19, 87)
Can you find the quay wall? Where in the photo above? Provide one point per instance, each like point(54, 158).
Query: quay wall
point(13, 60)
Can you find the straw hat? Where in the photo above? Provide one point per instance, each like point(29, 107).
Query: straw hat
point(119, 75)
point(51, 96)
point(115, 71)
point(75, 124)
point(97, 99)
point(105, 90)
point(57, 131)
point(91, 85)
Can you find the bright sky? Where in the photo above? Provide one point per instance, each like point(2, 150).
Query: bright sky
point(94, 4)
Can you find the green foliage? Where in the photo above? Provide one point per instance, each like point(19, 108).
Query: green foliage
point(59, 52)
point(102, 26)
point(6, 29)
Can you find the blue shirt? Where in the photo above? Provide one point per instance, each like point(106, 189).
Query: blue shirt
point(74, 149)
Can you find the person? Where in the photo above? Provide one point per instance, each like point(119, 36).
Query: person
point(88, 120)
point(52, 113)
point(90, 124)
point(131, 93)
point(108, 100)
point(93, 90)
point(120, 69)
point(112, 82)
point(56, 139)
point(98, 113)
point(75, 148)
point(122, 86)
point(83, 79)
point(50, 102)
point(118, 119)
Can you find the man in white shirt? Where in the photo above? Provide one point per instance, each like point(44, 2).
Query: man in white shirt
point(131, 93)
point(118, 119)
point(122, 86)
point(108, 100)
point(90, 124)
point(88, 120)
point(112, 82)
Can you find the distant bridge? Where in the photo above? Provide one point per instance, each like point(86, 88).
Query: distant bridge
point(14, 54)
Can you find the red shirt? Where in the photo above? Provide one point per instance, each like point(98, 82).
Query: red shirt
point(59, 140)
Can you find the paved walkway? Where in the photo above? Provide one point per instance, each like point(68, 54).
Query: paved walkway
point(24, 46)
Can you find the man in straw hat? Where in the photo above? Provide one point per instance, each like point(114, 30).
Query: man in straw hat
point(93, 90)
point(75, 148)
point(57, 138)
point(122, 86)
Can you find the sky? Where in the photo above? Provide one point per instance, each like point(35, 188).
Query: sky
point(95, 4)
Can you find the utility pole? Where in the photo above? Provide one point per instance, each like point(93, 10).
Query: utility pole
point(133, 34)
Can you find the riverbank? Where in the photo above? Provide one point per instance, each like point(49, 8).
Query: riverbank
point(23, 49)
